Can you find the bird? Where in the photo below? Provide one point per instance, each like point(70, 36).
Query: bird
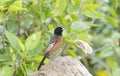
point(53, 45)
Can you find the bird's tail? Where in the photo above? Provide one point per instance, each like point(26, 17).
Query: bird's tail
point(41, 63)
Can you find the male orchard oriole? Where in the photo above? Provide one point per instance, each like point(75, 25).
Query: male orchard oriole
point(54, 44)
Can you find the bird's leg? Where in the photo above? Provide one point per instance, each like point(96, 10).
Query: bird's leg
point(54, 55)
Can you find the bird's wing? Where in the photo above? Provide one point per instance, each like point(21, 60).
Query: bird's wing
point(51, 44)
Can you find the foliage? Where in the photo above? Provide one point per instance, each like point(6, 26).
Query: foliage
point(27, 25)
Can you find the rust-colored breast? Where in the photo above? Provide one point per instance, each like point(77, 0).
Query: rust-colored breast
point(56, 45)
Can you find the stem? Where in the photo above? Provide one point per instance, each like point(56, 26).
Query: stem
point(19, 24)
point(116, 56)
point(98, 29)
point(17, 65)
point(4, 28)
point(64, 48)
point(99, 49)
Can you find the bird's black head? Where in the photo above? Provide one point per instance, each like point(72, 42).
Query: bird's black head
point(58, 31)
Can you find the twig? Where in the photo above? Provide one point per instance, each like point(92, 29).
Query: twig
point(64, 48)
point(98, 29)
point(17, 64)
point(99, 49)
point(4, 28)
point(19, 24)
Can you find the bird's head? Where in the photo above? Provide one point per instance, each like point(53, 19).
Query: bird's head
point(58, 31)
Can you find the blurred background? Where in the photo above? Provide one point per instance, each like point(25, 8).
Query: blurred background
point(27, 25)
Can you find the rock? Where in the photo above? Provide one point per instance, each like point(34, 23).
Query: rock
point(62, 66)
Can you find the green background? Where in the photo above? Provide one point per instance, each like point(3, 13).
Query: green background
point(26, 27)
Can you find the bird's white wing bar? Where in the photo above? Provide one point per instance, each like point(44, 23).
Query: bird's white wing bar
point(50, 46)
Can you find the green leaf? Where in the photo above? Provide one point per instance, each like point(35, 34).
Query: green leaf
point(113, 12)
point(116, 3)
point(73, 9)
point(14, 41)
point(112, 63)
point(13, 57)
point(37, 59)
point(76, 2)
point(93, 14)
point(7, 71)
point(112, 21)
point(74, 16)
point(8, 2)
point(5, 0)
point(33, 41)
point(90, 11)
point(79, 26)
point(104, 54)
point(116, 72)
point(4, 57)
point(2, 8)
point(16, 6)
point(90, 24)
point(71, 53)
point(91, 6)
point(59, 7)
